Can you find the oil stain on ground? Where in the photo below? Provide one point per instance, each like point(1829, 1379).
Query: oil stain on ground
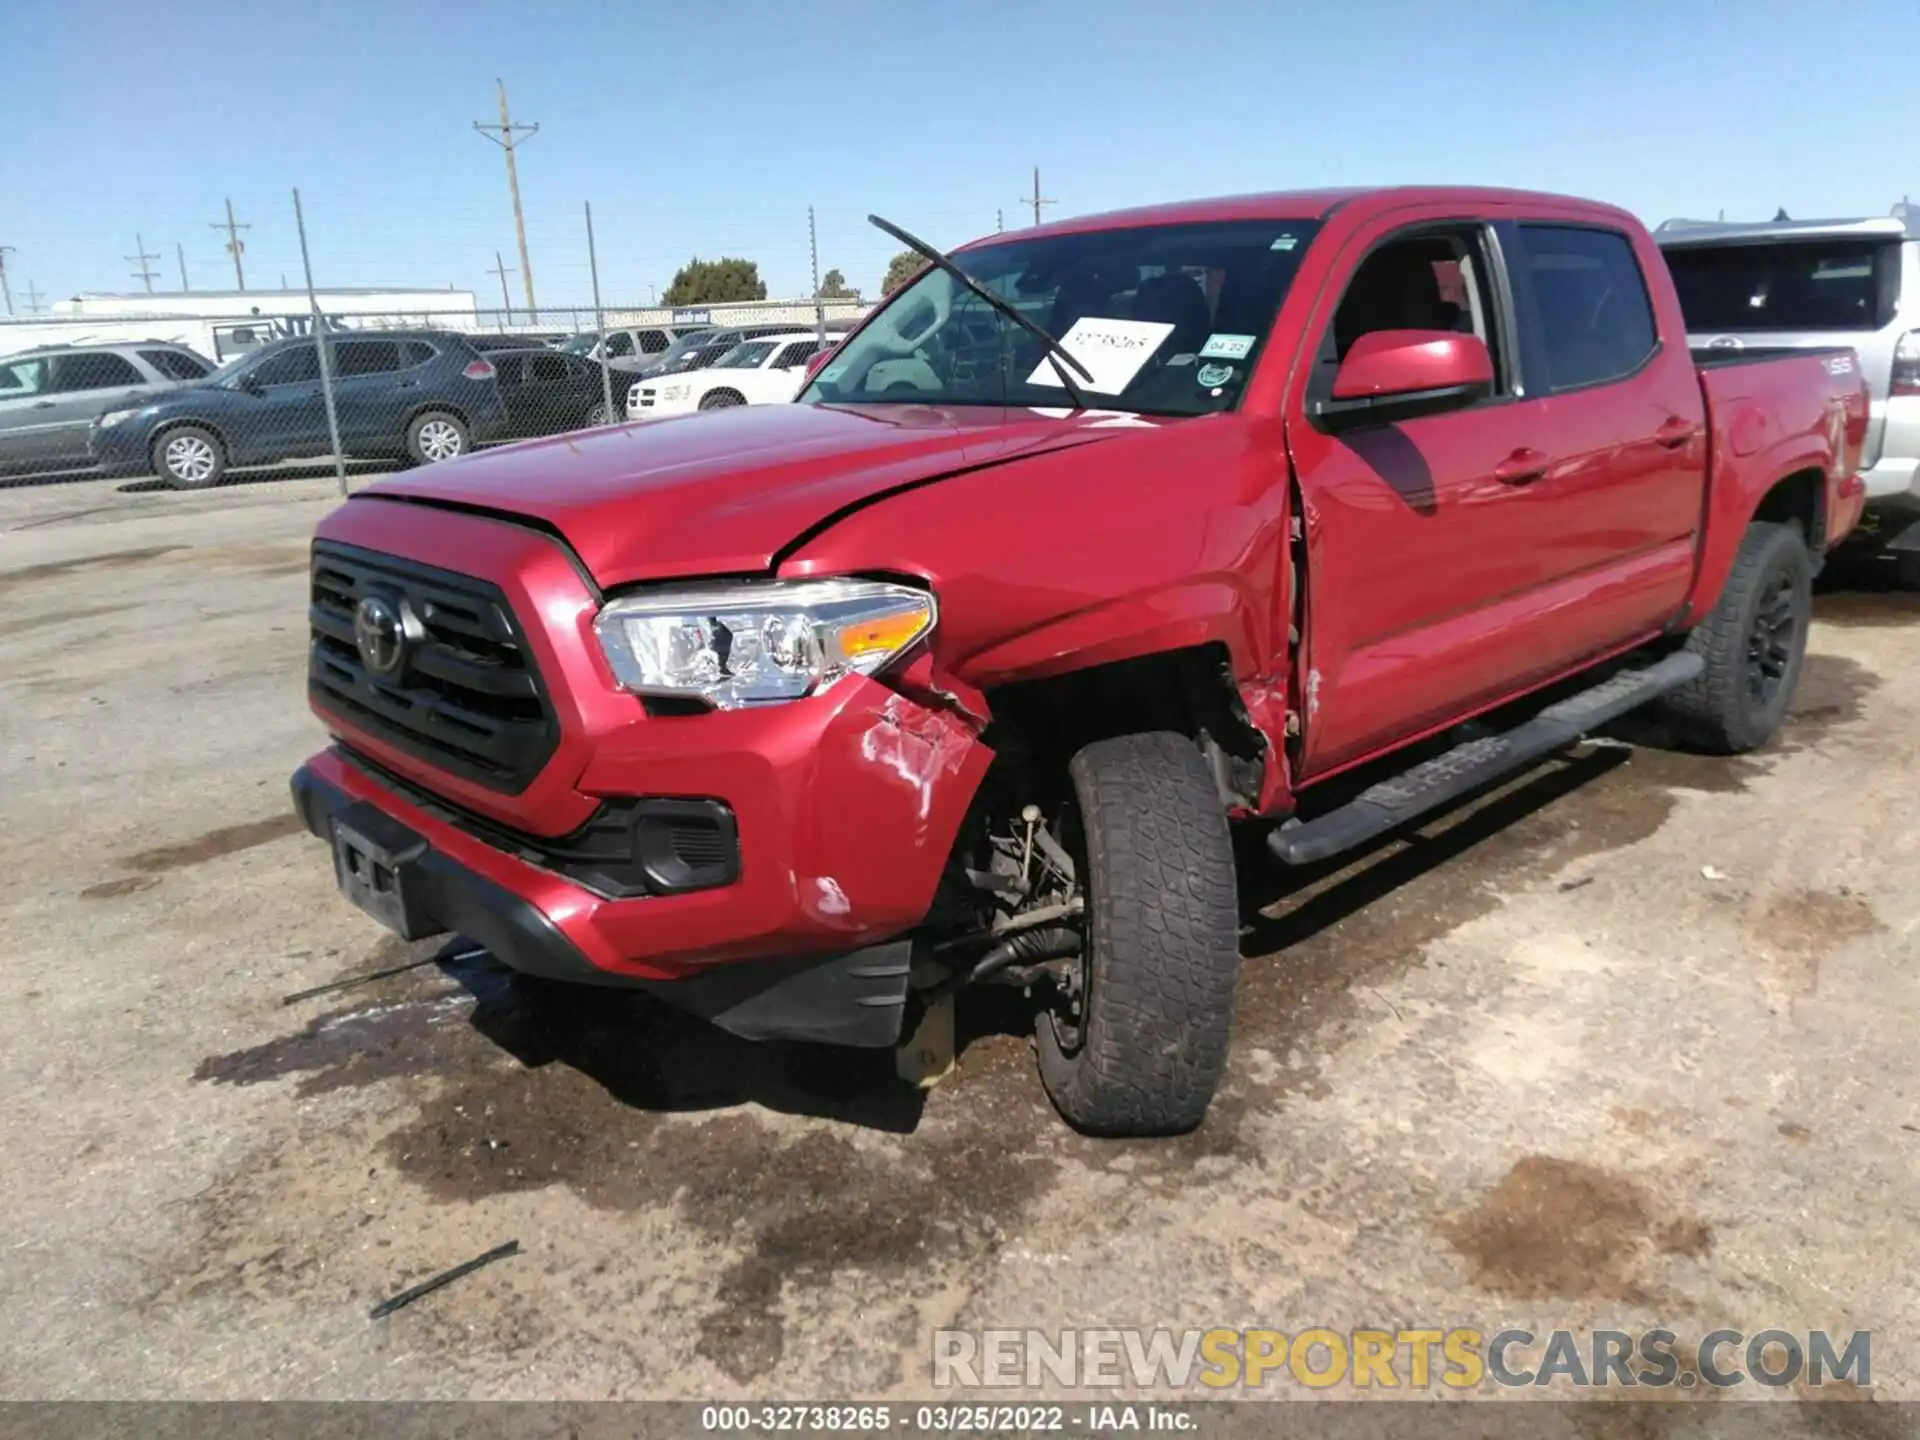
point(1798, 930)
point(225, 840)
point(85, 564)
point(1560, 1229)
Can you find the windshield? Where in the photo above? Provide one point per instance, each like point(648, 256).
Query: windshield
point(684, 346)
point(581, 344)
point(1834, 284)
point(244, 360)
point(1169, 320)
point(745, 357)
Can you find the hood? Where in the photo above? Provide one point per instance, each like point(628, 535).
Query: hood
point(723, 493)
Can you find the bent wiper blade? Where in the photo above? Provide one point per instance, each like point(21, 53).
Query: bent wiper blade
point(1056, 352)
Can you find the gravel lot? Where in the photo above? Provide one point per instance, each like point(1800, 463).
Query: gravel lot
point(1629, 1043)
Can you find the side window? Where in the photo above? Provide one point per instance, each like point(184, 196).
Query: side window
point(546, 368)
point(99, 371)
point(1590, 305)
point(797, 354)
point(1434, 280)
point(365, 357)
point(619, 344)
point(174, 364)
point(21, 378)
point(652, 342)
point(293, 366)
point(415, 352)
point(508, 369)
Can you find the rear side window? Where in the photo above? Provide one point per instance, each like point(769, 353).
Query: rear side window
point(415, 352)
point(174, 364)
point(1787, 285)
point(365, 357)
point(652, 342)
point(22, 377)
point(619, 345)
point(1591, 311)
point(100, 371)
point(546, 369)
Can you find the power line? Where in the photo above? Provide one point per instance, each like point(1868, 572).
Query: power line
point(1037, 199)
point(34, 307)
point(501, 269)
point(236, 247)
point(141, 255)
point(505, 135)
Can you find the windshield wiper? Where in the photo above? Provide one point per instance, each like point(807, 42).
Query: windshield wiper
point(1056, 352)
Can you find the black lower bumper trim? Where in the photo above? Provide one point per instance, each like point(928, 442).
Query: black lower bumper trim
point(857, 998)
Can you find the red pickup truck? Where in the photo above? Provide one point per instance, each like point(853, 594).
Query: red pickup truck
point(1095, 538)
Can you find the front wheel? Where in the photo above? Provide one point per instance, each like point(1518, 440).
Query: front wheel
point(1753, 643)
point(600, 414)
point(436, 436)
point(1136, 1042)
point(190, 458)
point(722, 400)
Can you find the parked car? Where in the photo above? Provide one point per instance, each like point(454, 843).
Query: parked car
point(630, 347)
point(675, 357)
point(1319, 511)
point(1792, 285)
point(546, 392)
point(487, 344)
point(50, 396)
point(421, 395)
point(716, 343)
point(754, 372)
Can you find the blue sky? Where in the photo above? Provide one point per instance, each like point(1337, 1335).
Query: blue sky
point(710, 126)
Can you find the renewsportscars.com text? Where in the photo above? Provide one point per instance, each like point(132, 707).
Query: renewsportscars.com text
point(1450, 1359)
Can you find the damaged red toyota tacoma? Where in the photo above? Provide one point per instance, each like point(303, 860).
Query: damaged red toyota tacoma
point(1095, 539)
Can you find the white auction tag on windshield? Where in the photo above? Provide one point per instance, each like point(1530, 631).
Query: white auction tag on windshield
point(1112, 350)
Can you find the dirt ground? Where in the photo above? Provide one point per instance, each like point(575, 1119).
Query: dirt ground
point(1630, 1043)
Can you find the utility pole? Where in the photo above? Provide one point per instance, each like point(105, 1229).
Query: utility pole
point(180, 253)
point(500, 269)
point(34, 307)
point(140, 257)
point(819, 305)
point(5, 285)
point(1037, 199)
point(236, 247)
point(505, 135)
point(999, 222)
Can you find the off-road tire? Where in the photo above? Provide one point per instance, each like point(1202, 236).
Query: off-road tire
point(1163, 928)
point(201, 461)
point(1718, 711)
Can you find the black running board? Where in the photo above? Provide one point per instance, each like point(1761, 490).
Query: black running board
point(1475, 763)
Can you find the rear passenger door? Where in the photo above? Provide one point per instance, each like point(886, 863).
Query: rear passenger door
point(367, 397)
point(1615, 514)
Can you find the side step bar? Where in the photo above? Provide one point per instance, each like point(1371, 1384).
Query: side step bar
point(1475, 763)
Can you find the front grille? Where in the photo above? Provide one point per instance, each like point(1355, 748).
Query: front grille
point(629, 846)
point(466, 696)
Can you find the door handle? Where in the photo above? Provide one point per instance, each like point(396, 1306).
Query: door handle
point(43, 404)
point(1675, 432)
point(1522, 467)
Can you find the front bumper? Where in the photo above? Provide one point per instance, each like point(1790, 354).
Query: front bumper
point(849, 997)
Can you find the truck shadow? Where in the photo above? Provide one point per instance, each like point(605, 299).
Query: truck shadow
point(648, 1056)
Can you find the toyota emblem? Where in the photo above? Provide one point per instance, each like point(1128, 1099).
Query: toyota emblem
point(380, 635)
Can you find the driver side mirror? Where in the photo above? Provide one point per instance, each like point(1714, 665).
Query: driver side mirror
point(251, 384)
point(1396, 374)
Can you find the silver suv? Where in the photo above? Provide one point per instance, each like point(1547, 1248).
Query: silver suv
point(1789, 284)
point(49, 396)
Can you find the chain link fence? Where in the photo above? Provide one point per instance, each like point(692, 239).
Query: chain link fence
point(195, 388)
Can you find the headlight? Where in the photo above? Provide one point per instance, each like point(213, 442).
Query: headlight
point(752, 643)
point(115, 417)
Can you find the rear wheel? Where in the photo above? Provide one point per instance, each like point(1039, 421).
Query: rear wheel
point(722, 400)
point(190, 458)
point(1135, 1042)
point(437, 435)
point(600, 414)
point(1753, 644)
